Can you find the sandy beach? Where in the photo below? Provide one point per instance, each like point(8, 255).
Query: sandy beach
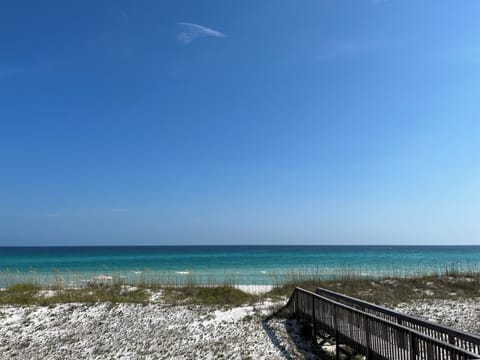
point(158, 330)
point(461, 314)
point(134, 331)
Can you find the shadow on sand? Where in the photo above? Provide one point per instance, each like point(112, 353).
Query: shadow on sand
point(293, 339)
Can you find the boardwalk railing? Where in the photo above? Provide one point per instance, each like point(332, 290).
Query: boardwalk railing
point(368, 334)
point(443, 333)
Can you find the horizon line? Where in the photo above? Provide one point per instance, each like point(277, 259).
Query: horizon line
point(232, 245)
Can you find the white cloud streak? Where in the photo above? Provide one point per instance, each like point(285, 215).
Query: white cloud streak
point(194, 31)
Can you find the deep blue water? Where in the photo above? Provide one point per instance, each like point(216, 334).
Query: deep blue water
point(242, 264)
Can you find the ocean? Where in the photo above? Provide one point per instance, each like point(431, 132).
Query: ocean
point(261, 265)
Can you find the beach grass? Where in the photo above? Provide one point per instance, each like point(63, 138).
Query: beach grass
point(391, 291)
point(32, 294)
point(384, 290)
point(208, 295)
point(20, 294)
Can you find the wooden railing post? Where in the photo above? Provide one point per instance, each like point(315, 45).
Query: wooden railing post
point(367, 335)
point(296, 304)
point(400, 336)
point(430, 354)
point(413, 346)
point(451, 339)
point(335, 324)
point(314, 322)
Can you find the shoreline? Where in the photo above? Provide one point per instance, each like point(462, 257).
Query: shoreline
point(244, 264)
point(266, 279)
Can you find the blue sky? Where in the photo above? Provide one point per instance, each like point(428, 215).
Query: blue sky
point(247, 122)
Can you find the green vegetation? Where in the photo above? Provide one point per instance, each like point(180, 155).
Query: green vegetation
point(211, 295)
point(385, 291)
point(21, 294)
point(391, 291)
point(31, 294)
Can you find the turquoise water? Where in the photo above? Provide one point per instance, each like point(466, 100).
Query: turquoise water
point(217, 264)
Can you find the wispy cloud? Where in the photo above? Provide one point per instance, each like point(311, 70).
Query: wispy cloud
point(194, 31)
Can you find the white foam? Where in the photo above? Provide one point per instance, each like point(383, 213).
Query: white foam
point(182, 272)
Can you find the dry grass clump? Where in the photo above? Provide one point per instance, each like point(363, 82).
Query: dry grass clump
point(393, 290)
point(384, 290)
point(208, 295)
point(31, 294)
point(20, 294)
point(112, 294)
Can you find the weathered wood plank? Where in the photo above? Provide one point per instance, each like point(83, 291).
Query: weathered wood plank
point(462, 339)
point(375, 336)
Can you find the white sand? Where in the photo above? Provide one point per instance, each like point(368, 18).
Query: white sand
point(134, 331)
point(255, 289)
point(461, 314)
point(163, 331)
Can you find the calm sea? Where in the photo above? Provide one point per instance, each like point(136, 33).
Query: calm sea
point(217, 264)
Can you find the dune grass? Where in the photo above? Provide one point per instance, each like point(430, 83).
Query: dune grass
point(387, 290)
point(208, 295)
point(32, 294)
point(20, 294)
point(393, 290)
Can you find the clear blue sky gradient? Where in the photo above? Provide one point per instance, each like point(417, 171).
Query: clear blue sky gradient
point(239, 122)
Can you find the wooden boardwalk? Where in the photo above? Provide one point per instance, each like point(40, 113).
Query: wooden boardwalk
point(444, 333)
point(374, 336)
